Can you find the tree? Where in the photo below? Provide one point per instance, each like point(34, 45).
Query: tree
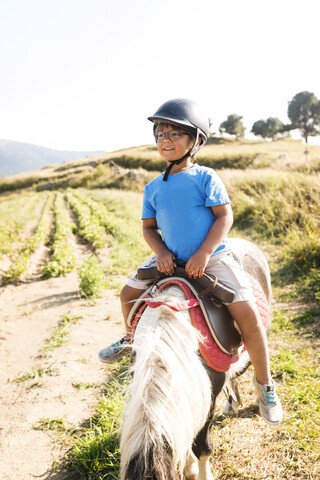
point(233, 126)
point(304, 114)
point(269, 128)
point(259, 128)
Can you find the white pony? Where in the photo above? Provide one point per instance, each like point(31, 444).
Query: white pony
point(166, 430)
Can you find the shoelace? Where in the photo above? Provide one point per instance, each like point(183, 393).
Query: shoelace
point(119, 343)
point(269, 396)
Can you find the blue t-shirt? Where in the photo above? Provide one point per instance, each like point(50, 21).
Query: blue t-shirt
point(181, 207)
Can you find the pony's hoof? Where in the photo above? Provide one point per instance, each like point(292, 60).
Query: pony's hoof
point(230, 409)
point(191, 469)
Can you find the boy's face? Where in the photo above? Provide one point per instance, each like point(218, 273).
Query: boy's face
point(169, 150)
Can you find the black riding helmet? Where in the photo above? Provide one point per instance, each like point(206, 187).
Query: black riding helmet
point(188, 115)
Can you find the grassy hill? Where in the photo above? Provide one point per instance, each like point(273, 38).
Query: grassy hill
point(132, 168)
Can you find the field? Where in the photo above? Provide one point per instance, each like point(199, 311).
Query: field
point(64, 254)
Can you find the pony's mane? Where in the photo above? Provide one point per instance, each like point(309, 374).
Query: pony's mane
point(164, 413)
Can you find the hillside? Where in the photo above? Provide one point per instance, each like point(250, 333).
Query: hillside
point(64, 255)
point(132, 168)
point(17, 157)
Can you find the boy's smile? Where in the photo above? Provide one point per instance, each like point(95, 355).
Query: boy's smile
point(171, 151)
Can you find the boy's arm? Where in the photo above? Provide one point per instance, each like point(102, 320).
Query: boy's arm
point(217, 233)
point(165, 258)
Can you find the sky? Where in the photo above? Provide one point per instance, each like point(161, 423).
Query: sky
point(84, 75)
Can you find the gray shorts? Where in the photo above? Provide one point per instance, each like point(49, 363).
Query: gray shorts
point(223, 265)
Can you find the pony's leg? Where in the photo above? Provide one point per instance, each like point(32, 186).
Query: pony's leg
point(191, 469)
point(202, 448)
point(198, 469)
point(202, 445)
point(233, 396)
point(204, 468)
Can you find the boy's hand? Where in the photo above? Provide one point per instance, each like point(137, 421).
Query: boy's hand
point(165, 261)
point(197, 263)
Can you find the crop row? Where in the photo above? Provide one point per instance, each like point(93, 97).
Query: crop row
point(90, 227)
point(21, 262)
point(107, 218)
point(14, 216)
point(62, 259)
point(102, 220)
point(120, 215)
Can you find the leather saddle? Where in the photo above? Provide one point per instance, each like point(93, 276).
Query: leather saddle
point(211, 294)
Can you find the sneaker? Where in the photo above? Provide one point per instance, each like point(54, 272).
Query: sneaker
point(115, 351)
point(269, 403)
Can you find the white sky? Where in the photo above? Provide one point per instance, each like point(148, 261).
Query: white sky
point(85, 74)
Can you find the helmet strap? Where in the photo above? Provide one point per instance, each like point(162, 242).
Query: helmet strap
point(195, 149)
point(174, 162)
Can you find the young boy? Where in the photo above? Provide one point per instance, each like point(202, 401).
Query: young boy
point(190, 206)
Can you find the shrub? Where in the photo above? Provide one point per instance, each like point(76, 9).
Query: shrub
point(92, 279)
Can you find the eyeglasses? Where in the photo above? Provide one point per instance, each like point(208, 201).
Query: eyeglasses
point(173, 136)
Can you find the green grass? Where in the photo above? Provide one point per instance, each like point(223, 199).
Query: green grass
point(84, 385)
point(61, 334)
point(95, 454)
point(57, 424)
point(58, 429)
point(35, 375)
point(305, 323)
point(299, 373)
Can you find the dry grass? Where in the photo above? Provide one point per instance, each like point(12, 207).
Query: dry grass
point(293, 149)
point(132, 168)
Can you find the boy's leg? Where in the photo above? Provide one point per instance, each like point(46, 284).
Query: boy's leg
point(128, 296)
point(116, 350)
point(254, 336)
point(246, 314)
point(130, 292)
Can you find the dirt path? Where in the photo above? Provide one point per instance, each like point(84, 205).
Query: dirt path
point(29, 315)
